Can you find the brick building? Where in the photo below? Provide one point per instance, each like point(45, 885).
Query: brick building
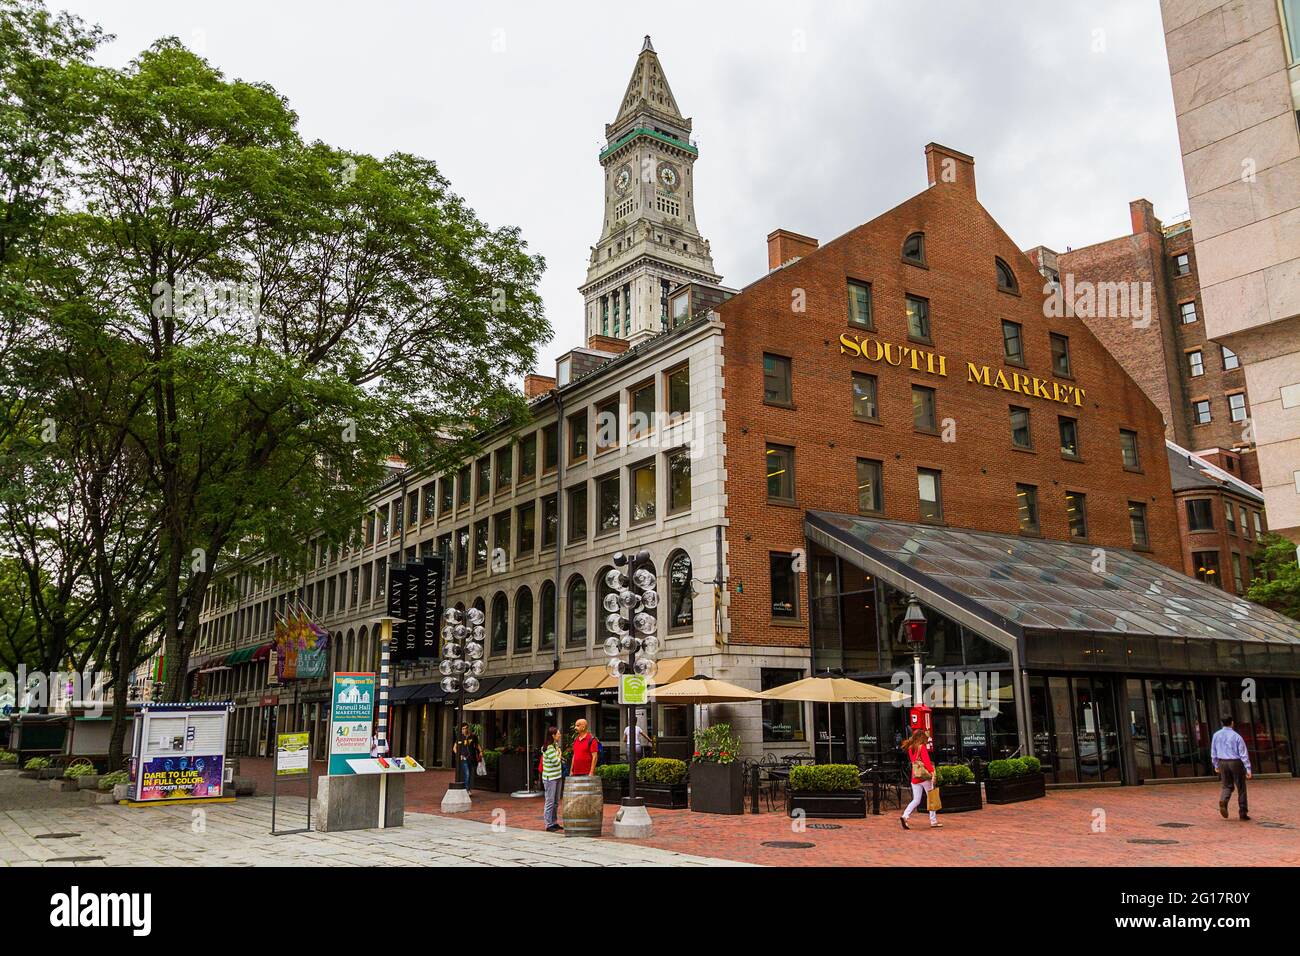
point(898, 412)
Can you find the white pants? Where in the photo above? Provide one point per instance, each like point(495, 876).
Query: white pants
point(919, 790)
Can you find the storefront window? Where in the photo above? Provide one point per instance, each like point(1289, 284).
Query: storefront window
point(782, 719)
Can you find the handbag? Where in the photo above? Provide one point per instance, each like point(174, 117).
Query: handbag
point(932, 800)
point(482, 769)
point(919, 772)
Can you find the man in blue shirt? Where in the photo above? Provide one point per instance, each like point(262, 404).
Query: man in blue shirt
point(1232, 763)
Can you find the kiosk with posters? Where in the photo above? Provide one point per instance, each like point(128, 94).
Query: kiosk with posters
point(178, 753)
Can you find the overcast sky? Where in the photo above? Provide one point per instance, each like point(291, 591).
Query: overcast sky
point(811, 116)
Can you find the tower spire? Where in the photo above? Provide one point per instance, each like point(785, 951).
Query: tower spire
point(648, 93)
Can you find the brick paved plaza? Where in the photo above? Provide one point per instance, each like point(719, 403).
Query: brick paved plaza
point(1057, 830)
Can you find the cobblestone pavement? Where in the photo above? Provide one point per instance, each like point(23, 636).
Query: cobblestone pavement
point(38, 831)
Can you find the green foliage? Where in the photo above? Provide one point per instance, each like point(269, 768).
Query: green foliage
point(7, 756)
point(79, 770)
point(999, 769)
point(1014, 767)
point(946, 775)
point(491, 758)
point(660, 770)
point(716, 744)
point(1032, 764)
point(615, 771)
point(1276, 584)
point(825, 777)
point(115, 779)
point(37, 763)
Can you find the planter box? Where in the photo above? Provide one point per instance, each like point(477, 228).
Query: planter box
point(487, 782)
point(29, 774)
point(89, 782)
point(960, 797)
point(64, 786)
point(616, 790)
point(717, 788)
point(512, 773)
point(1015, 789)
point(827, 804)
point(665, 796)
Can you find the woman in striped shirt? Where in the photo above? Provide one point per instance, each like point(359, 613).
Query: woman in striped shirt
point(552, 776)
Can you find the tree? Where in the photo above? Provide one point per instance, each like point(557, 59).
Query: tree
point(1276, 583)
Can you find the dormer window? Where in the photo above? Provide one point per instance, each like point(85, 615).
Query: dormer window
point(914, 249)
point(1006, 278)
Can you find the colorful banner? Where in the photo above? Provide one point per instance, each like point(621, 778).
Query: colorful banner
point(171, 778)
point(300, 645)
point(352, 713)
point(291, 755)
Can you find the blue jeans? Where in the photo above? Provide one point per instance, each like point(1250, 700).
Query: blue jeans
point(467, 773)
point(552, 788)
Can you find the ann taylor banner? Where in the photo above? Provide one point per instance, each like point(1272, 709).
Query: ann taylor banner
point(415, 599)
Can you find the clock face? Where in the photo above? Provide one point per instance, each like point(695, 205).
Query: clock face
point(668, 176)
point(623, 178)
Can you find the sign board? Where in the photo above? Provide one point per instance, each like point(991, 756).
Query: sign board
point(633, 689)
point(178, 751)
point(352, 712)
point(399, 591)
point(417, 577)
point(292, 755)
point(371, 765)
point(431, 607)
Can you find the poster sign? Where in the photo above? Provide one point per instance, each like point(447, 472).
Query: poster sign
point(291, 755)
point(417, 577)
point(352, 712)
point(431, 607)
point(633, 689)
point(171, 778)
point(399, 590)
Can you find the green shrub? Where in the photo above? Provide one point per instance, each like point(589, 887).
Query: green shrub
point(37, 763)
point(491, 758)
point(661, 770)
point(999, 769)
point(7, 756)
point(1032, 764)
point(949, 774)
point(79, 770)
point(825, 776)
point(115, 779)
point(716, 744)
point(612, 771)
point(1018, 768)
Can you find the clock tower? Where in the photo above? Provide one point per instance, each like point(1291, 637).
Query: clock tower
point(649, 240)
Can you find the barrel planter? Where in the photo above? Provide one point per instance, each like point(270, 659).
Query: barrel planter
point(1028, 786)
point(582, 811)
point(827, 804)
point(960, 797)
point(717, 788)
point(664, 796)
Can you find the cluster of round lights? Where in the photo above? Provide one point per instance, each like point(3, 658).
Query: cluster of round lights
point(635, 594)
point(462, 650)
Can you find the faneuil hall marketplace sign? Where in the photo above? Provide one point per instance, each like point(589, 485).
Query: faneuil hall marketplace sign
point(932, 363)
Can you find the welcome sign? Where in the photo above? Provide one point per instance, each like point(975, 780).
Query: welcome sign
point(352, 713)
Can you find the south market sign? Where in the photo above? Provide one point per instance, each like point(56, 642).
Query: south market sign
point(932, 363)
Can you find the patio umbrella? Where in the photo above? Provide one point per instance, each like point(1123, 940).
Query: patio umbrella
point(833, 690)
point(527, 699)
point(703, 690)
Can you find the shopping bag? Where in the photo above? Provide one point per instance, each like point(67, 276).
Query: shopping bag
point(482, 769)
point(932, 801)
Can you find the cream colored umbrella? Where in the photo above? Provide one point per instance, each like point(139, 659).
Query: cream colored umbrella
point(528, 699)
point(703, 690)
point(833, 690)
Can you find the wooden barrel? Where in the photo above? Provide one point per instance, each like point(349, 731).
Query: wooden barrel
point(583, 808)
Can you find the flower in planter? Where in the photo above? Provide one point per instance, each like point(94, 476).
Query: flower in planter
point(716, 744)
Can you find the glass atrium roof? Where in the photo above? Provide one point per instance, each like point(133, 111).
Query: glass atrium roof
point(1032, 584)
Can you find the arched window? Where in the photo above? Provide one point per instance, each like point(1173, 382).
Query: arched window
point(575, 625)
point(500, 624)
point(914, 248)
point(1006, 278)
point(345, 652)
point(523, 619)
point(547, 613)
point(681, 595)
point(362, 652)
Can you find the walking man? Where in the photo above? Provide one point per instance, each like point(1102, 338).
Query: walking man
point(1232, 763)
point(468, 754)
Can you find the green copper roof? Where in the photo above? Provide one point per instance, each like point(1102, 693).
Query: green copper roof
point(653, 134)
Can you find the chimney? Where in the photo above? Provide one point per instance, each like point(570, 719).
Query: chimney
point(607, 343)
point(535, 384)
point(784, 246)
point(1143, 217)
point(944, 165)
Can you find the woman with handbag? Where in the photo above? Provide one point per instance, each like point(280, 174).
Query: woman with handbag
point(918, 755)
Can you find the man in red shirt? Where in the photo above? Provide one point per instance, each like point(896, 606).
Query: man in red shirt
point(586, 751)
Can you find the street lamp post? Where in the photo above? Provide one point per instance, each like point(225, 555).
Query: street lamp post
point(914, 628)
point(461, 667)
point(631, 622)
